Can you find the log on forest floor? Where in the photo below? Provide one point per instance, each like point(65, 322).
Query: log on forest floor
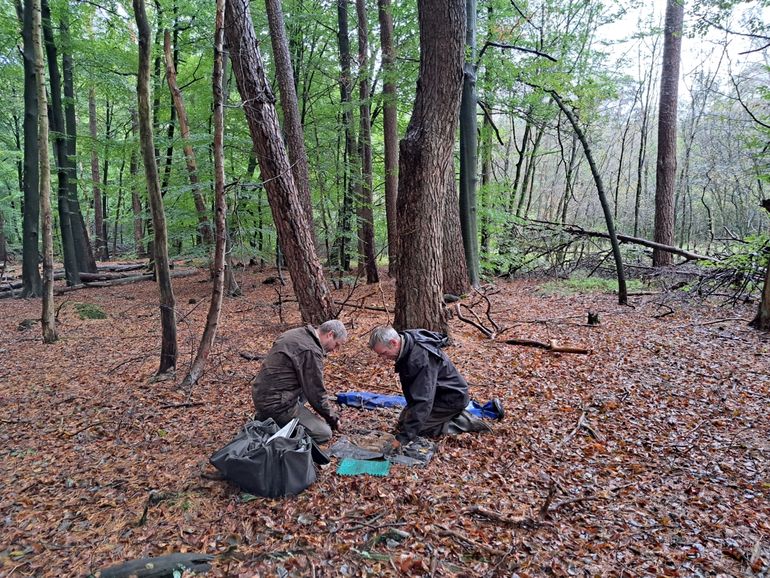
point(122, 281)
point(160, 567)
point(551, 346)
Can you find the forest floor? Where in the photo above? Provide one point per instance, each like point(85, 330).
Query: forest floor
point(654, 448)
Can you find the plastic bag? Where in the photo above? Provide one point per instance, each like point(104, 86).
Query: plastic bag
point(267, 463)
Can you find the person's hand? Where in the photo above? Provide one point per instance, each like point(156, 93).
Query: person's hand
point(392, 447)
point(334, 422)
point(402, 439)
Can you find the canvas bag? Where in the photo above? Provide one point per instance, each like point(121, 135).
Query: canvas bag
point(265, 464)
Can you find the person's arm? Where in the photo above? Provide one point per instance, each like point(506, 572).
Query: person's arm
point(311, 379)
point(420, 380)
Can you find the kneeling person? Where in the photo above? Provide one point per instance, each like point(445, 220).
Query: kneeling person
point(435, 391)
point(292, 373)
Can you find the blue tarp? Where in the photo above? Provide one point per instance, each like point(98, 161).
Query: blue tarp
point(369, 400)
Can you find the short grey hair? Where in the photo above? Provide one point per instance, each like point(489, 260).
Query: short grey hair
point(382, 335)
point(335, 327)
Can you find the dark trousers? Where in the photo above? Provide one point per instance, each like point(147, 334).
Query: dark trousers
point(437, 422)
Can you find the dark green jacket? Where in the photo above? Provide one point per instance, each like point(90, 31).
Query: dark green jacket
point(292, 369)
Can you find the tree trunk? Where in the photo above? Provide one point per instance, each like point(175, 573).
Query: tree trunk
point(167, 302)
point(292, 125)
point(83, 250)
point(352, 180)
point(622, 291)
point(204, 227)
point(390, 130)
point(215, 305)
point(30, 228)
point(454, 262)
point(288, 214)
point(60, 150)
point(136, 201)
point(666, 166)
point(100, 241)
point(469, 149)
point(426, 156)
point(365, 216)
point(48, 320)
point(762, 319)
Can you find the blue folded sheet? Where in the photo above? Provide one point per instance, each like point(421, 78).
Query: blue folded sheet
point(369, 400)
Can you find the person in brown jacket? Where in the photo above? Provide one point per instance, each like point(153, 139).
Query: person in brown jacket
point(292, 374)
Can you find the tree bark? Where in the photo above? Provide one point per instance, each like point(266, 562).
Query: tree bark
point(292, 125)
point(160, 245)
point(31, 221)
point(622, 290)
point(469, 149)
point(352, 180)
point(217, 291)
point(100, 242)
point(365, 215)
point(204, 227)
point(48, 320)
point(60, 150)
point(85, 254)
point(136, 201)
point(390, 130)
point(288, 214)
point(455, 273)
point(426, 156)
point(667, 129)
point(762, 319)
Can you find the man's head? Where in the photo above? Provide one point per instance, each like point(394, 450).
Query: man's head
point(385, 342)
point(332, 334)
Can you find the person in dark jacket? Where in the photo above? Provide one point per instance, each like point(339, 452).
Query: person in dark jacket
point(435, 391)
point(292, 374)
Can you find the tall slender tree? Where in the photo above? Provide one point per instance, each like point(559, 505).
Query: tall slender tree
point(469, 149)
point(669, 98)
point(60, 150)
point(204, 227)
point(217, 291)
point(291, 220)
point(390, 129)
point(48, 314)
point(426, 155)
point(30, 272)
point(292, 123)
point(365, 216)
point(160, 243)
point(100, 241)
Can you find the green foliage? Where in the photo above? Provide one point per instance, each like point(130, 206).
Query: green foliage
point(578, 284)
point(90, 311)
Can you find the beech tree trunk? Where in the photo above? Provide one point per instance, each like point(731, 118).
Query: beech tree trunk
point(426, 156)
point(100, 242)
point(48, 320)
point(365, 216)
point(204, 227)
point(215, 305)
point(83, 249)
point(390, 129)
point(292, 124)
point(667, 129)
point(60, 151)
point(455, 272)
point(136, 200)
point(290, 218)
point(30, 271)
point(160, 244)
point(469, 149)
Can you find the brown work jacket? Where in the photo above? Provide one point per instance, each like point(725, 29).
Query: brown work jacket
point(293, 369)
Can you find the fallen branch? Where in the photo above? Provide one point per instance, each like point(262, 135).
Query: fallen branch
point(487, 332)
point(582, 423)
point(551, 346)
point(168, 565)
point(185, 404)
point(455, 534)
point(516, 522)
point(122, 281)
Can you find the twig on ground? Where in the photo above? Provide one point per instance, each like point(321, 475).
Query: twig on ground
point(517, 522)
point(470, 541)
point(548, 499)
